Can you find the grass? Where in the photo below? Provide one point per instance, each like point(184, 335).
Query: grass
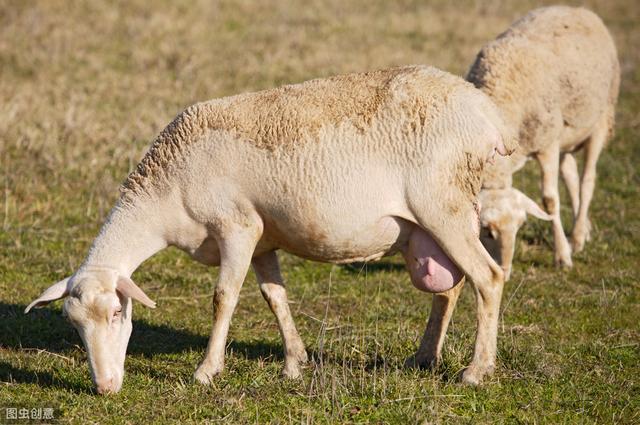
point(86, 86)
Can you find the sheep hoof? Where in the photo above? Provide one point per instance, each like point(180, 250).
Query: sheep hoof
point(205, 374)
point(577, 244)
point(565, 263)
point(473, 375)
point(291, 370)
point(578, 240)
point(580, 235)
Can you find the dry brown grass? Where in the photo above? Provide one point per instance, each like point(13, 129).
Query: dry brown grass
point(87, 87)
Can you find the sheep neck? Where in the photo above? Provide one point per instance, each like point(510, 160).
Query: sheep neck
point(128, 237)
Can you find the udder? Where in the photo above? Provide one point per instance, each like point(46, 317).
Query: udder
point(430, 268)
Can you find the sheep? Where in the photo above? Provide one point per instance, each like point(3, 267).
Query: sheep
point(555, 76)
point(342, 169)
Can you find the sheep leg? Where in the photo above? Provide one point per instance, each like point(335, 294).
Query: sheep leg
point(429, 353)
point(569, 171)
point(582, 228)
point(273, 290)
point(549, 162)
point(464, 248)
point(236, 251)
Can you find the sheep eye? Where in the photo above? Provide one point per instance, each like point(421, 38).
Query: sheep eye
point(488, 233)
point(116, 315)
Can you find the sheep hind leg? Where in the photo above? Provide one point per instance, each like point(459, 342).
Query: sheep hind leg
point(582, 228)
point(464, 248)
point(236, 249)
point(569, 171)
point(273, 290)
point(550, 163)
point(429, 353)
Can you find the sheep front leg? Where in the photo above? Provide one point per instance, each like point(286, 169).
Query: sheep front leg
point(550, 162)
point(582, 228)
point(273, 290)
point(235, 256)
point(429, 353)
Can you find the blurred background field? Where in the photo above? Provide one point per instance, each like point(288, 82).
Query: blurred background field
point(84, 88)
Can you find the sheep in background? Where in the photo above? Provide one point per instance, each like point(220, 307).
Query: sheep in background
point(555, 76)
point(342, 169)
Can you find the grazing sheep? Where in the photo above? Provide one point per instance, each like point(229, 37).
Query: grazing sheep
point(555, 76)
point(342, 169)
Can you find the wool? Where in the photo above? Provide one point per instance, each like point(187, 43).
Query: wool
point(554, 75)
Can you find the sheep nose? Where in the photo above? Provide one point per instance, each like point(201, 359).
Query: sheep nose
point(105, 385)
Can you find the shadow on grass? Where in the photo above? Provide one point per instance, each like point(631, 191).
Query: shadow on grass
point(255, 350)
point(377, 266)
point(46, 329)
point(10, 373)
point(444, 372)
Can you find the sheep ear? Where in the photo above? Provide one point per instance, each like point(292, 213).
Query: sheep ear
point(53, 293)
point(531, 207)
point(128, 288)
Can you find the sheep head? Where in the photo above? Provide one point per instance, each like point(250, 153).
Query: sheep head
point(98, 304)
point(503, 212)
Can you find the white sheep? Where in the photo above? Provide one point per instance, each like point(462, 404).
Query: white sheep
point(349, 168)
point(555, 76)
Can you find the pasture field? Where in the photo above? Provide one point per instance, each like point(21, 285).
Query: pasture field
point(84, 88)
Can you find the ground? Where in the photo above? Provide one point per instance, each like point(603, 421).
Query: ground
point(85, 88)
